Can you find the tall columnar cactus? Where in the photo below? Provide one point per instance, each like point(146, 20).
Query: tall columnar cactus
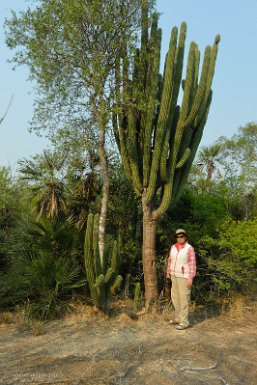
point(102, 277)
point(157, 138)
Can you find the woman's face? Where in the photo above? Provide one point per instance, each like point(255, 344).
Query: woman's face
point(181, 239)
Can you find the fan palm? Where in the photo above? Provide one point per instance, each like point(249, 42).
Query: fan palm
point(47, 184)
point(208, 160)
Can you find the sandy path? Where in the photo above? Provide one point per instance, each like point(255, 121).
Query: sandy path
point(93, 351)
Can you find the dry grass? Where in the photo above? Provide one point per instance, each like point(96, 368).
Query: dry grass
point(21, 323)
point(6, 317)
point(167, 311)
point(236, 307)
point(37, 328)
point(88, 348)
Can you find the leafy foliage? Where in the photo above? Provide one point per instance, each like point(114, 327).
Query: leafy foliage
point(231, 257)
point(70, 48)
point(240, 155)
point(47, 187)
point(43, 267)
point(10, 209)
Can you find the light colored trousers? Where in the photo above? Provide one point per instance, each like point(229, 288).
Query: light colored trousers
point(180, 296)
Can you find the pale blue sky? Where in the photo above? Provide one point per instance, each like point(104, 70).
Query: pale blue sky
point(235, 82)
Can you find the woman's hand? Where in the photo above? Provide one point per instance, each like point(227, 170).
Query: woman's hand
point(189, 283)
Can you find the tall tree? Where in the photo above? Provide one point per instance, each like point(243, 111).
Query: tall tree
point(157, 138)
point(239, 164)
point(239, 155)
point(70, 48)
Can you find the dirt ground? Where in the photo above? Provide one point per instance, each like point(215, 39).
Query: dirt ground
point(88, 349)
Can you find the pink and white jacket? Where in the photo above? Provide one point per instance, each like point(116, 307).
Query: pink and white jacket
point(181, 262)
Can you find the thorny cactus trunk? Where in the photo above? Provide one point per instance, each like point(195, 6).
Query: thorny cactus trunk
point(148, 255)
point(157, 138)
point(103, 279)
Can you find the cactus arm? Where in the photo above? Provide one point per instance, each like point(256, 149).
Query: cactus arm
point(171, 61)
point(167, 147)
point(100, 281)
point(151, 91)
point(197, 66)
point(124, 152)
point(189, 83)
point(174, 110)
point(110, 276)
point(184, 158)
point(132, 151)
point(196, 141)
point(131, 137)
point(201, 88)
point(211, 71)
point(164, 116)
point(128, 137)
point(119, 123)
point(115, 258)
point(116, 284)
point(101, 292)
point(126, 132)
point(144, 42)
point(165, 201)
point(88, 250)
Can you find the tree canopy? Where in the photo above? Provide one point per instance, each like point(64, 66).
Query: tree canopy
point(70, 48)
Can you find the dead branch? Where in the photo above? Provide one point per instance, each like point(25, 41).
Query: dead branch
point(6, 112)
point(199, 368)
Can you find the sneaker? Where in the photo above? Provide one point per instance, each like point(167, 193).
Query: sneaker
point(181, 326)
point(173, 322)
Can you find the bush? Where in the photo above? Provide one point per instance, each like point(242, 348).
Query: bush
point(231, 258)
point(43, 268)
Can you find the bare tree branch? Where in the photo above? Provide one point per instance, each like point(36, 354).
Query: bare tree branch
point(6, 112)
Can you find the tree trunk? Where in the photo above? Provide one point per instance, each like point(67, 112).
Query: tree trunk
point(105, 179)
point(210, 167)
point(149, 259)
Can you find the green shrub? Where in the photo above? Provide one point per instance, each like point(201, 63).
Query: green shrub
point(231, 258)
point(43, 269)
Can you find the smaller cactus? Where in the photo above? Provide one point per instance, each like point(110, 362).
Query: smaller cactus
point(137, 295)
point(127, 285)
point(103, 279)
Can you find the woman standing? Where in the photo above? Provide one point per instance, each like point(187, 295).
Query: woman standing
point(181, 269)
